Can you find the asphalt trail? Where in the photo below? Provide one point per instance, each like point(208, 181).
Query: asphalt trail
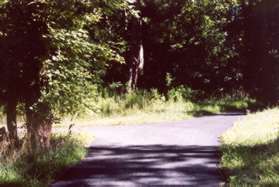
point(167, 154)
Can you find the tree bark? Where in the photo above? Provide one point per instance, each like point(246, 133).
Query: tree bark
point(136, 67)
point(11, 121)
point(39, 126)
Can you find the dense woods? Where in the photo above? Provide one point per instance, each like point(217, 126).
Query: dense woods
point(57, 54)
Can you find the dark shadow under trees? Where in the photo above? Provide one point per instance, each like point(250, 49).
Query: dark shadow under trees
point(141, 165)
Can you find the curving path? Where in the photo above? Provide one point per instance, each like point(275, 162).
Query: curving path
point(180, 153)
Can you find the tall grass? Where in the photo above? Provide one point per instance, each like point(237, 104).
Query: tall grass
point(251, 150)
point(147, 101)
point(152, 106)
point(20, 168)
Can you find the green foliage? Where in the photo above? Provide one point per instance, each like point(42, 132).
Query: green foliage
point(9, 174)
point(208, 45)
point(77, 61)
point(189, 40)
point(38, 170)
point(181, 93)
point(153, 101)
point(227, 103)
point(51, 56)
point(255, 28)
point(250, 150)
point(152, 106)
point(132, 101)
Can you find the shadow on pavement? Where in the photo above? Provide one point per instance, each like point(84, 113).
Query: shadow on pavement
point(205, 113)
point(142, 165)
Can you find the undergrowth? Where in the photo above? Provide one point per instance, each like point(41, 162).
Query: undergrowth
point(20, 168)
point(149, 106)
point(152, 106)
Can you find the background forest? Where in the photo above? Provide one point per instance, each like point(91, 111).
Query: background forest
point(106, 57)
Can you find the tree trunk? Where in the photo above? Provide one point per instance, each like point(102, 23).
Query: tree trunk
point(136, 52)
point(136, 67)
point(39, 126)
point(11, 121)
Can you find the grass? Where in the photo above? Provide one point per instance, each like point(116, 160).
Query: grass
point(164, 112)
point(150, 107)
point(19, 168)
point(251, 150)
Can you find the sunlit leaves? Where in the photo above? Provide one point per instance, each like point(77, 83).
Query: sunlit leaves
point(75, 64)
point(71, 61)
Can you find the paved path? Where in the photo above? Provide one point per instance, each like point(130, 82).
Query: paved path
point(181, 153)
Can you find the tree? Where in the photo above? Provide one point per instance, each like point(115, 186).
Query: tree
point(22, 47)
point(49, 59)
point(256, 28)
point(188, 40)
point(135, 57)
point(126, 27)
